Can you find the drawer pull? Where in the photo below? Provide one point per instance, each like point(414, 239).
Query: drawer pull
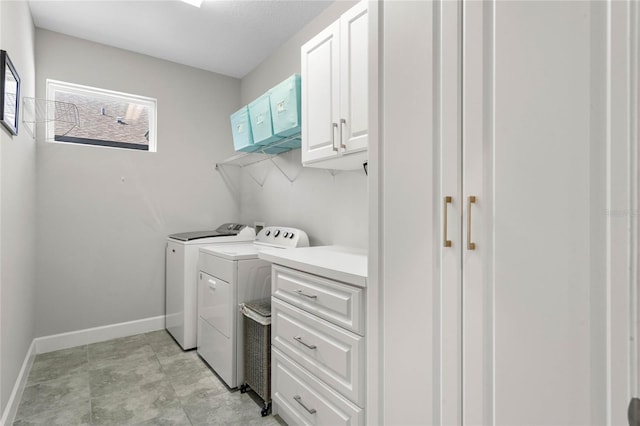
point(298, 399)
point(310, 296)
point(299, 340)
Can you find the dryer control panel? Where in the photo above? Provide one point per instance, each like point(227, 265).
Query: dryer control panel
point(281, 236)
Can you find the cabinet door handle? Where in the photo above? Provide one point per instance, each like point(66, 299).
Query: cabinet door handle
point(471, 200)
point(334, 126)
point(299, 340)
point(445, 242)
point(310, 296)
point(298, 399)
point(342, 123)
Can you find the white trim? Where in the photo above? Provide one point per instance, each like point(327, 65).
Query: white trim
point(374, 405)
point(11, 409)
point(97, 334)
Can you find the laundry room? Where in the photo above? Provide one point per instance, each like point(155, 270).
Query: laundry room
point(322, 212)
point(94, 220)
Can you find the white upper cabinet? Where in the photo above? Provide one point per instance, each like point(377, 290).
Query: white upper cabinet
point(334, 93)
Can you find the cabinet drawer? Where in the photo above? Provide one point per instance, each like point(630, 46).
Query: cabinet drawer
point(336, 302)
point(301, 399)
point(216, 266)
point(334, 355)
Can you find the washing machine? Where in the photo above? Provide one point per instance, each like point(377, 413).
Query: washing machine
point(229, 276)
point(181, 276)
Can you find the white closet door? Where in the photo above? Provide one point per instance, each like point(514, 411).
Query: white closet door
point(540, 287)
point(411, 239)
point(448, 298)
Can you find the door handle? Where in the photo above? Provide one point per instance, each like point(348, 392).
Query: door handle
point(446, 201)
point(299, 340)
point(298, 399)
point(309, 296)
point(342, 123)
point(470, 244)
point(334, 126)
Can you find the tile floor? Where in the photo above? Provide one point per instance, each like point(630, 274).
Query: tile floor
point(144, 380)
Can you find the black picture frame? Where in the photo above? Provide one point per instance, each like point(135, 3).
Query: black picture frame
point(9, 93)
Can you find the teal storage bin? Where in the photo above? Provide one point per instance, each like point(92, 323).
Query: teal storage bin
point(286, 109)
point(241, 130)
point(260, 118)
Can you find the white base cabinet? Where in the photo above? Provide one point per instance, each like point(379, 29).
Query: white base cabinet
point(318, 347)
point(301, 399)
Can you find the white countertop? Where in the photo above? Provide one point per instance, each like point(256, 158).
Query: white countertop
point(344, 264)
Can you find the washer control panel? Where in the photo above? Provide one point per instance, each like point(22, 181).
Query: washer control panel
point(281, 236)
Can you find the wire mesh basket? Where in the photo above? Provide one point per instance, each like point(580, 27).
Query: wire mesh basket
point(257, 350)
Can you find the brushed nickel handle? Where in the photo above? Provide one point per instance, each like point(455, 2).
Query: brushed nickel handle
point(301, 293)
point(342, 123)
point(334, 126)
point(299, 340)
point(471, 200)
point(298, 399)
point(445, 242)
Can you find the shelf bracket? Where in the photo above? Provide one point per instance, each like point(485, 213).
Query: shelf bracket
point(285, 174)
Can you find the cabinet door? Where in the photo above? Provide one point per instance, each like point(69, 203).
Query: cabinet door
point(320, 95)
point(354, 99)
point(540, 292)
point(410, 274)
point(532, 323)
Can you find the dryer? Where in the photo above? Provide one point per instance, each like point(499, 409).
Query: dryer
point(181, 282)
point(229, 276)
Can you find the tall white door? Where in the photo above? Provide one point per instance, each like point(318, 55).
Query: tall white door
point(537, 272)
point(508, 132)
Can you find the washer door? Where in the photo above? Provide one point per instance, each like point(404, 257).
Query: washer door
point(216, 303)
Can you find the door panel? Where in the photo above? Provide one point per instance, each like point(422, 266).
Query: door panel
point(354, 85)
point(320, 82)
point(216, 303)
point(532, 315)
point(409, 273)
point(533, 324)
point(448, 82)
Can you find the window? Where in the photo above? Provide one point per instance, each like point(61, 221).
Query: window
point(106, 118)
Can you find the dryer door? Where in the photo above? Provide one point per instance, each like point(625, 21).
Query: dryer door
point(216, 303)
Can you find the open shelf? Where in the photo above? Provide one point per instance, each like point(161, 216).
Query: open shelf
point(244, 159)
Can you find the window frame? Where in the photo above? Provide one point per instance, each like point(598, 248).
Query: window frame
point(151, 103)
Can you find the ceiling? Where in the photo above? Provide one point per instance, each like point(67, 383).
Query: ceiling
point(222, 36)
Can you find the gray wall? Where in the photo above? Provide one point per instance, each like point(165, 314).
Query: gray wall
point(17, 208)
point(104, 213)
point(331, 209)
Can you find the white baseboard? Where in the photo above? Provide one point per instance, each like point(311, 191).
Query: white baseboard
point(56, 342)
point(97, 334)
point(11, 409)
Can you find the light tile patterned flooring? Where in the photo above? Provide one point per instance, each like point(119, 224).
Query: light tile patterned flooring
point(144, 379)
